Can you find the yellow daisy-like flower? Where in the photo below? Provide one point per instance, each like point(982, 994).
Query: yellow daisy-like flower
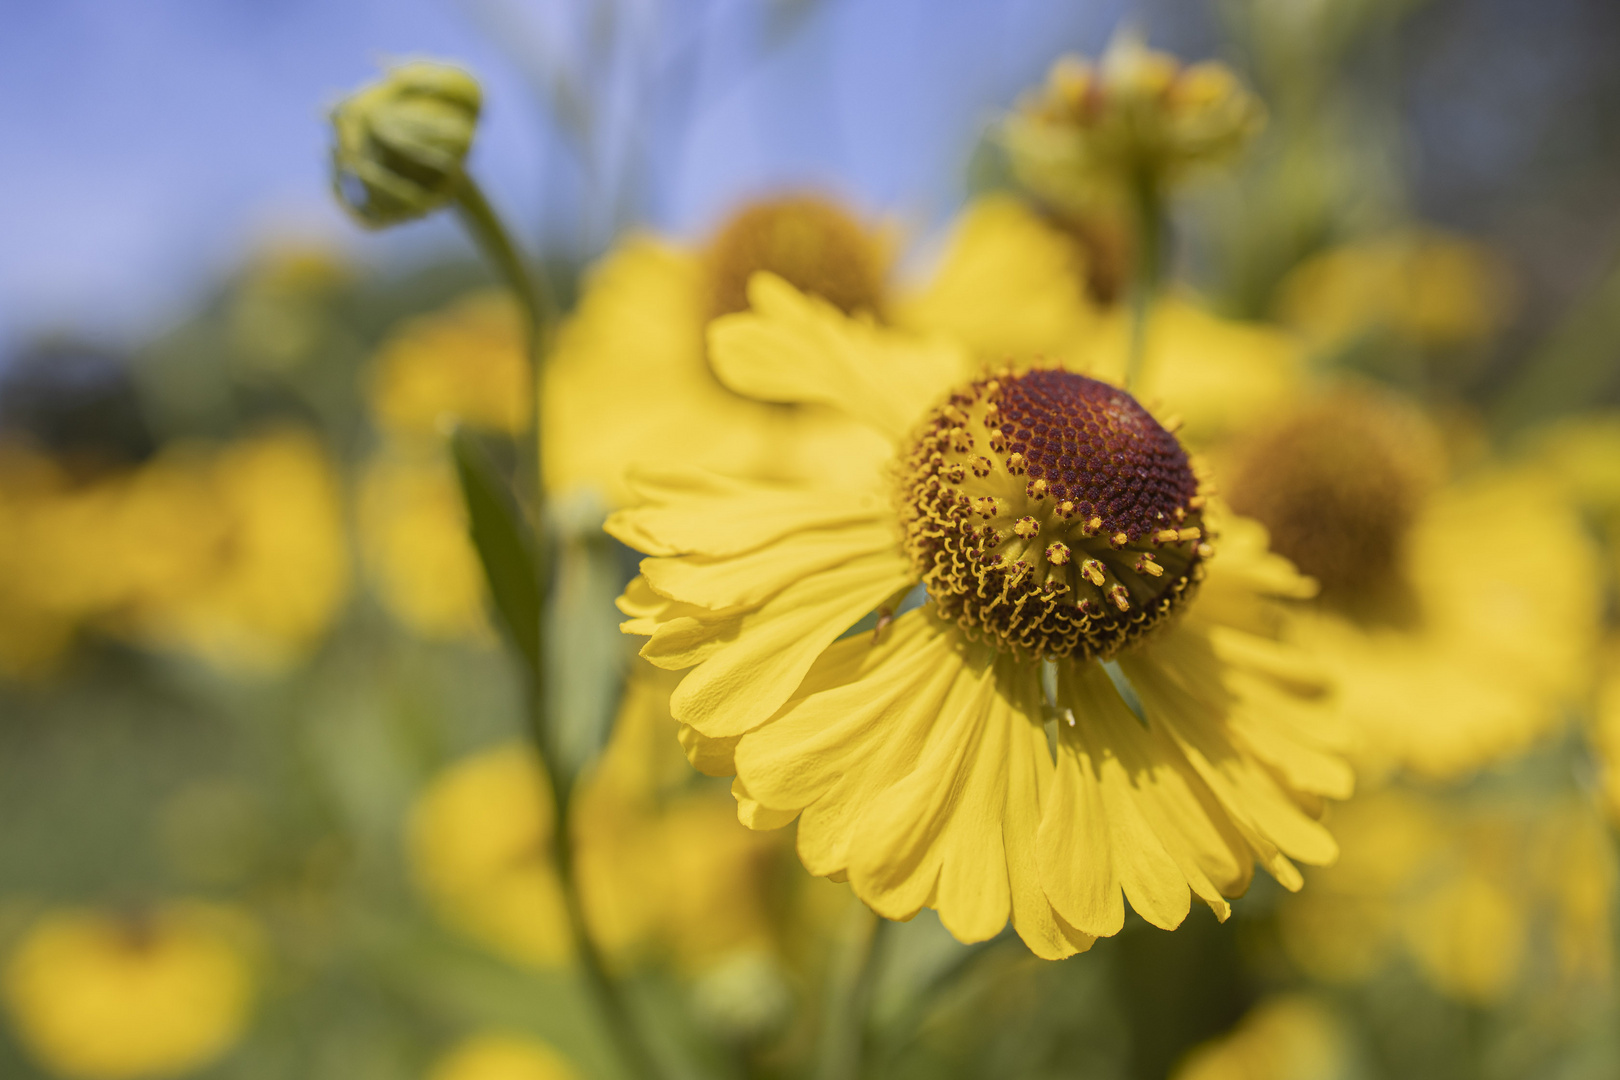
point(1139, 117)
point(1479, 895)
point(1057, 527)
point(1281, 1038)
point(105, 997)
point(1450, 655)
point(503, 1057)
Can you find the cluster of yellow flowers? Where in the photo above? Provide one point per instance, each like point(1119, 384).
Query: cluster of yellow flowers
point(233, 553)
point(997, 634)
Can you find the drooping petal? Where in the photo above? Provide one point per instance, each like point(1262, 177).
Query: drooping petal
point(719, 582)
point(703, 513)
point(800, 349)
point(766, 652)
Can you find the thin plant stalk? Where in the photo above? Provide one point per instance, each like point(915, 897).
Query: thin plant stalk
point(539, 316)
point(841, 1054)
point(1148, 213)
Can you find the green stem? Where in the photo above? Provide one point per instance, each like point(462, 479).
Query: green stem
point(495, 242)
point(1148, 211)
point(842, 1051)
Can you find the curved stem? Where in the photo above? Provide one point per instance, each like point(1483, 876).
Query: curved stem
point(534, 297)
point(842, 1050)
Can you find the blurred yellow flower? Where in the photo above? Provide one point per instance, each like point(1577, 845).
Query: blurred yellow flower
point(464, 364)
point(1449, 656)
point(234, 553)
point(279, 571)
point(1139, 120)
point(480, 851)
point(1428, 287)
point(503, 1057)
point(1281, 1038)
point(1471, 890)
point(631, 376)
point(665, 869)
point(98, 996)
point(413, 538)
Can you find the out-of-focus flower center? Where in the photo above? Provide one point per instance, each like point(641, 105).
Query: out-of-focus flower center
point(1052, 515)
point(1338, 484)
point(809, 242)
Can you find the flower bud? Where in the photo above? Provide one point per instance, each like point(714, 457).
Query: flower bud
point(1137, 117)
point(401, 142)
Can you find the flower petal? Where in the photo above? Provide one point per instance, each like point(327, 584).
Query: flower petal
point(797, 348)
point(746, 580)
point(765, 653)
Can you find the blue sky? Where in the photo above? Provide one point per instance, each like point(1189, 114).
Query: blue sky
point(149, 146)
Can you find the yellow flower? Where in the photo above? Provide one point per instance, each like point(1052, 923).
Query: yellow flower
point(665, 869)
point(1425, 286)
point(236, 554)
point(279, 569)
point(631, 376)
point(464, 364)
point(1138, 118)
point(1051, 519)
point(480, 851)
point(1450, 654)
point(107, 997)
point(1469, 890)
point(503, 1057)
point(413, 535)
point(1281, 1038)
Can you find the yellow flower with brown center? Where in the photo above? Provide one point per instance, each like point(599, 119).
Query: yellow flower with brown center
point(97, 996)
point(1137, 119)
point(1055, 525)
point(1450, 654)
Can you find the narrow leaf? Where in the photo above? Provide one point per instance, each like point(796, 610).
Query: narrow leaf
point(505, 546)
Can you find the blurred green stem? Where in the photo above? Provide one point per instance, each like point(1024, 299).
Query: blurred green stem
point(842, 1051)
point(539, 314)
point(1147, 206)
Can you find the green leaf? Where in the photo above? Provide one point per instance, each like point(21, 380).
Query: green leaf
point(506, 546)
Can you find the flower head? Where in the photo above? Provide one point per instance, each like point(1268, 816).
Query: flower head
point(99, 996)
point(493, 1056)
point(1450, 654)
point(1032, 506)
point(808, 241)
point(1138, 117)
point(401, 141)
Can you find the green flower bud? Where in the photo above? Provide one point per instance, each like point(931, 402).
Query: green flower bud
point(401, 142)
point(1138, 117)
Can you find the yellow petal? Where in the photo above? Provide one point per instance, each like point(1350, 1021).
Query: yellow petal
point(699, 513)
point(767, 651)
point(750, 579)
point(1029, 777)
point(797, 348)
